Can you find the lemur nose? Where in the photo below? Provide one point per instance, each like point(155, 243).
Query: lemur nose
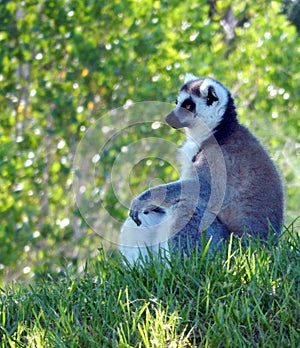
point(172, 119)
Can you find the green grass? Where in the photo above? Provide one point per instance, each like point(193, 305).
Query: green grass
point(239, 297)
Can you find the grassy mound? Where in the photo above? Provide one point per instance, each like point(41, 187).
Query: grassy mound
point(238, 297)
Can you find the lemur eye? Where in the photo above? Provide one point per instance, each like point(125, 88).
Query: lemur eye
point(188, 104)
point(176, 101)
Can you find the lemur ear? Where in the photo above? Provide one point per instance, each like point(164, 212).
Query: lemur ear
point(189, 77)
point(211, 96)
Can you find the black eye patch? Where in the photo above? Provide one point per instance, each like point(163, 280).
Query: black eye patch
point(189, 105)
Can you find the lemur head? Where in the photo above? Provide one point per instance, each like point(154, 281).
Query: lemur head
point(201, 103)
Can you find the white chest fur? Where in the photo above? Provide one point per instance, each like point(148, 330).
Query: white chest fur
point(186, 155)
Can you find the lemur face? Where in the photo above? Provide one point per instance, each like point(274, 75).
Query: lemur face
point(200, 100)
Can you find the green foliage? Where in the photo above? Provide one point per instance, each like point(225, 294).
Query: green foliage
point(65, 64)
point(239, 297)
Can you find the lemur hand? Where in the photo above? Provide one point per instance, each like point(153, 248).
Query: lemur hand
point(140, 207)
point(142, 204)
point(134, 211)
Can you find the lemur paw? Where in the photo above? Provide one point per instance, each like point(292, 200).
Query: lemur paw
point(138, 206)
point(135, 209)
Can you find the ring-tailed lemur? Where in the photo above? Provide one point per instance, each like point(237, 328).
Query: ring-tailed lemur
point(238, 192)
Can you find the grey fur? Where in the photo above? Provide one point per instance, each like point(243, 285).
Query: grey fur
point(190, 236)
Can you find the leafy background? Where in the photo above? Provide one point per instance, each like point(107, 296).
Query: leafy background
point(65, 64)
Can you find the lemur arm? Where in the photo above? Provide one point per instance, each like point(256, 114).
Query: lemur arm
point(165, 196)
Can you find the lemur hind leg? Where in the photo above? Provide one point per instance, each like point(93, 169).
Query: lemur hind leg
point(197, 231)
